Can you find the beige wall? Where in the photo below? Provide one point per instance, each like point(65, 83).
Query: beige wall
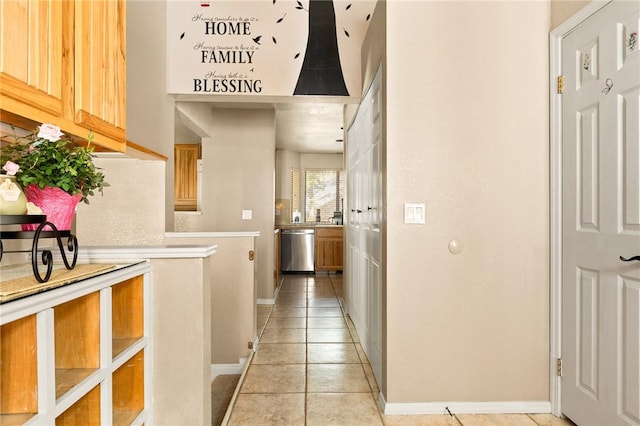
point(285, 161)
point(467, 133)
point(238, 161)
point(233, 294)
point(238, 174)
point(182, 341)
point(561, 10)
point(131, 209)
point(150, 111)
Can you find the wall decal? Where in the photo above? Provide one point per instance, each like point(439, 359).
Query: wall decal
point(321, 72)
point(266, 47)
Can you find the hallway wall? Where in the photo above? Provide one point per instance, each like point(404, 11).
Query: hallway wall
point(238, 174)
point(561, 10)
point(467, 134)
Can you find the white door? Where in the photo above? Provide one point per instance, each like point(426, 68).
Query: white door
point(364, 200)
point(601, 219)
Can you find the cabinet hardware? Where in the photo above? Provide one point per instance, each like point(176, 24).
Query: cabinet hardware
point(251, 255)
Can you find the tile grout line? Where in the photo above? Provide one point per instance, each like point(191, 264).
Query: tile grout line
point(372, 391)
point(306, 349)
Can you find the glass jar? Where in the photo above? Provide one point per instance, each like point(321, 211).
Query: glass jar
point(12, 198)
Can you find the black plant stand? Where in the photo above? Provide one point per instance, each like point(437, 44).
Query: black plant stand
point(46, 255)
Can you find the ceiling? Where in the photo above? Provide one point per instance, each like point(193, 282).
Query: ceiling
point(301, 127)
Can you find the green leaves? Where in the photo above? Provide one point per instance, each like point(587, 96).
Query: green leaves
point(59, 164)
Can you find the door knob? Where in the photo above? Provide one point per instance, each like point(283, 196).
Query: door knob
point(630, 259)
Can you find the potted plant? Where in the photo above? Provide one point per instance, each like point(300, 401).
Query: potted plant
point(54, 172)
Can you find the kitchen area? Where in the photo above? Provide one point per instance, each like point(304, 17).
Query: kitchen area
point(309, 208)
point(311, 248)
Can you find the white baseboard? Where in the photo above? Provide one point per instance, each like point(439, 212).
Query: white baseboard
point(270, 301)
point(219, 369)
point(462, 407)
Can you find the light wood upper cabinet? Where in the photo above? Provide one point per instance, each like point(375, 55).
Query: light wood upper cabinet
point(63, 62)
point(100, 75)
point(185, 184)
point(36, 58)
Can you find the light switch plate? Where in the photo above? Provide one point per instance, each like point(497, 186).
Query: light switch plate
point(414, 213)
point(247, 214)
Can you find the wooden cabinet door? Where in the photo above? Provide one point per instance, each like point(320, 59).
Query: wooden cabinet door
point(329, 247)
point(100, 74)
point(185, 184)
point(36, 58)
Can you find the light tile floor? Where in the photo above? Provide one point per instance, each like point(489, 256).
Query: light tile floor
point(311, 370)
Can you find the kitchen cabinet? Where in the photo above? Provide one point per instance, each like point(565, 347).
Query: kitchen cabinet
point(329, 248)
point(78, 353)
point(37, 61)
point(185, 184)
point(100, 74)
point(63, 62)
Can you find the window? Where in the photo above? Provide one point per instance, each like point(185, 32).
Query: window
point(323, 193)
point(295, 191)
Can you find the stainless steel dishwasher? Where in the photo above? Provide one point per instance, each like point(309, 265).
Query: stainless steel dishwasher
point(297, 250)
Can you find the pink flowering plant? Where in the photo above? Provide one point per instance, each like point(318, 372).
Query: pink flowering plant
point(49, 158)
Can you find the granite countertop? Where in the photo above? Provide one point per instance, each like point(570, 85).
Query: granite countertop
point(18, 281)
point(307, 225)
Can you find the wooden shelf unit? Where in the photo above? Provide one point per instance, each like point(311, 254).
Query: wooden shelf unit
point(18, 375)
point(76, 354)
point(128, 390)
point(127, 314)
point(86, 411)
point(76, 326)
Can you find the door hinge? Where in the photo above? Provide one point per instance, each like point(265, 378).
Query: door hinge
point(559, 367)
point(251, 255)
point(250, 345)
point(560, 84)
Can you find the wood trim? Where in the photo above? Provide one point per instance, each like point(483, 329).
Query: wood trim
point(16, 89)
point(9, 105)
point(146, 150)
point(17, 120)
point(100, 126)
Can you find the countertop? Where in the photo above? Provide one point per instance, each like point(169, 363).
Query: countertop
point(309, 225)
point(18, 281)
